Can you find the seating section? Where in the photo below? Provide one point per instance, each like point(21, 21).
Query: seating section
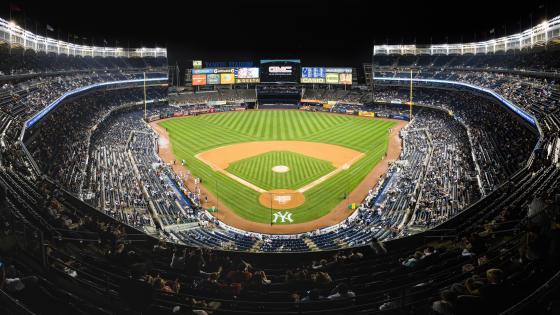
point(465, 221)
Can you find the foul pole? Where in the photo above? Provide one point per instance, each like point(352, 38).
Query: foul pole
point(410, 103)
point(145, 106)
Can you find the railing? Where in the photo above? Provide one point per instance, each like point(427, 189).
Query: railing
point(521, 113)
point(538, 35)
point(17, 36)
point(39, 115)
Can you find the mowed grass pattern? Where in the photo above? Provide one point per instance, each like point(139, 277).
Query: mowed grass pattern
point(192, 135)
point(302, 170)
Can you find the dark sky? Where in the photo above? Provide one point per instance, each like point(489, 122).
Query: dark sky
point(325, 33)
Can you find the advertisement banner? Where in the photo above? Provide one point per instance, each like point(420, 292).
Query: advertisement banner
point(227, 78)
point(332, 78)
point(366, 114)
point(213, 78)
point(197, 64)
point(312, 80)
point(338, 70)
point(345, 78)
point(198, 79)
point(248, 73)
point(203, 71)
point(248, 80)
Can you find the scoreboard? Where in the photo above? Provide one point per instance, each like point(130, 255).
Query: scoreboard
point(217, 76)
point(280, 70)
point(322, 75)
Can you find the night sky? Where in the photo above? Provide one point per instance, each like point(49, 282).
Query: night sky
point(322, 33)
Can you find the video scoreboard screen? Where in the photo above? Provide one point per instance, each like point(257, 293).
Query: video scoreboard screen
point(322, 75)
point(280, 70)
point(216, 76)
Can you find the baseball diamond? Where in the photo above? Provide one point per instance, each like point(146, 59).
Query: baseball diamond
point(258, 170)
point(234, 153)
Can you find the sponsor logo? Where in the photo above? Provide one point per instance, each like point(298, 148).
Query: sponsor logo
point(280, 69)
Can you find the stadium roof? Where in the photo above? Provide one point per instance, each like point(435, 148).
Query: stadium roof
point(315, 31)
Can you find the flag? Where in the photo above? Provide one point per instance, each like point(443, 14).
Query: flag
point(50, 28)
point(352, 206)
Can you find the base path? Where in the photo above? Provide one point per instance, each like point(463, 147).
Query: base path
point(220, 158)
point(335, 216)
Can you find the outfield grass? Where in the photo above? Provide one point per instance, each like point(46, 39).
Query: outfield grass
point(258, 170)
point(192, 135)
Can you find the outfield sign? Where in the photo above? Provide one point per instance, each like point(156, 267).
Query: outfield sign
point(217, 76)
point(321, 75)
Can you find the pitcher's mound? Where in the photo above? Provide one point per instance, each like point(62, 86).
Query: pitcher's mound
point(282, 199)
point(280, 169)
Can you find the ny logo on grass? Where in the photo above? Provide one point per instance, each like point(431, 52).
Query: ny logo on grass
point(286, 216)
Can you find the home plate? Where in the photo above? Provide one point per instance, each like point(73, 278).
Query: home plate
point(281, 199)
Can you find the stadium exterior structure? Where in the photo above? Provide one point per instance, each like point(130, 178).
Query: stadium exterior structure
point(19, 37)
point(539, 35)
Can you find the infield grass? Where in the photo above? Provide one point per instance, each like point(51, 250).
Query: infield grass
point(302, 170)
point(192, 135)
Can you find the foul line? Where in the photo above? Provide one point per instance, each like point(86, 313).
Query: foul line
point(329, 175)
point(300, 190)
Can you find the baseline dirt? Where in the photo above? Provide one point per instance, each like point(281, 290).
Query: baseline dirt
point(336, 215)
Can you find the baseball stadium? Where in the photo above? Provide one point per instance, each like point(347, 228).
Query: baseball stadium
point(398, 168)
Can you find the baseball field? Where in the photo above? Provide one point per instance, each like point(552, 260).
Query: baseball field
point(277, 166)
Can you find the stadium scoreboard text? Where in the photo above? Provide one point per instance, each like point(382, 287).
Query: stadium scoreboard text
point(321, 75)
point(217, 76)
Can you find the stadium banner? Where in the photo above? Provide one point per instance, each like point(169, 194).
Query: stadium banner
point(227, 78)
point(197, 64)
point(198, 79)
point(338, 70)
point(366, 114)
point(312, 75)
point(213, 78)
point(331, 78)
point(304, 100)
point(247, 75)
point(203, 71)
point(216, 103)
point(313, 80)
point(345, 78)
point(321, 75)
